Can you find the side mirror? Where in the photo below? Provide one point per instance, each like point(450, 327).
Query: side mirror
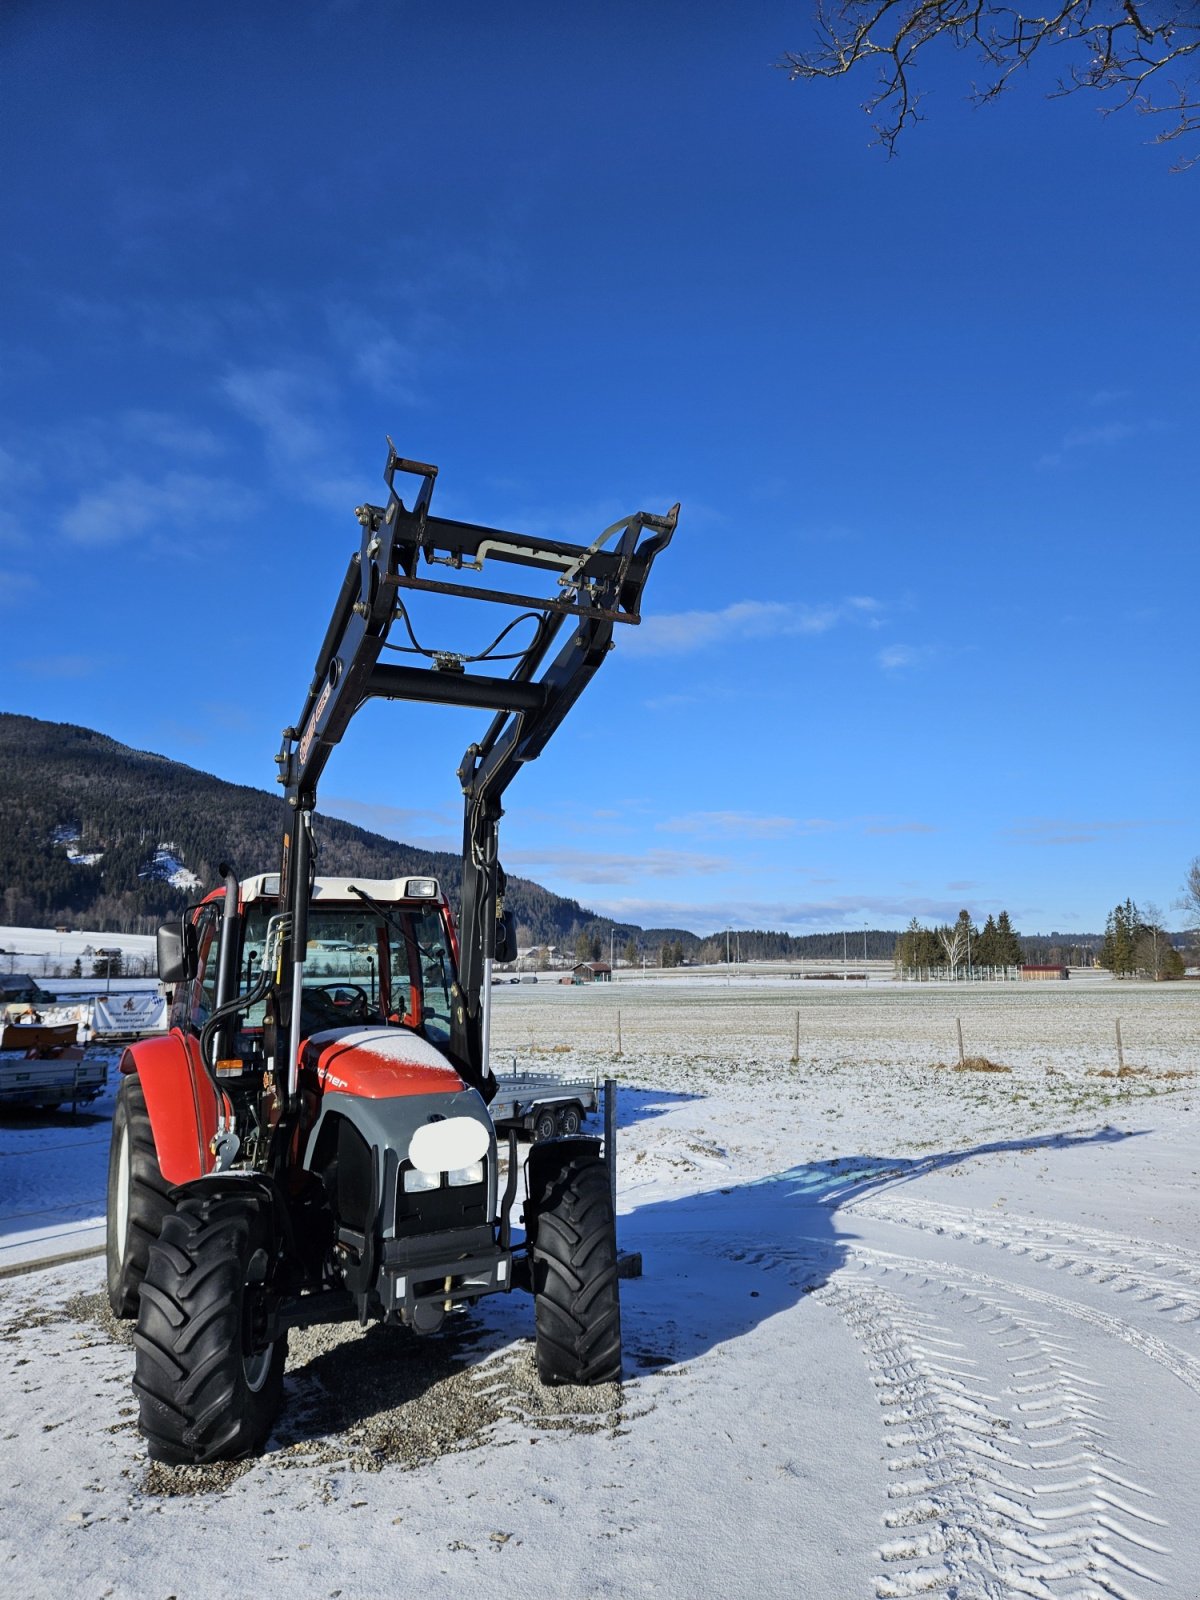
point(177, 952)
point(506, 937)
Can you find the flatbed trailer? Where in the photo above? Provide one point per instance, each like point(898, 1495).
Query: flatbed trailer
point(42, 1065)
point(543, 1105)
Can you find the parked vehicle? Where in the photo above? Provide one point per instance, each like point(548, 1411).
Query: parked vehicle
point(542, 1105)
point(311, 1141)
point(41, 1064)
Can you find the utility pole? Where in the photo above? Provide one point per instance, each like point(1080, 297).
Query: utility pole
point(611, 932)
point(726, 947)
point(843, 955)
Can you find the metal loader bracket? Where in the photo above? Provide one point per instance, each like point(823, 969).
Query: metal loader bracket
point(595, 587)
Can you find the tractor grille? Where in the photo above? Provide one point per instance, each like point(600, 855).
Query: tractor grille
point(435, 1210)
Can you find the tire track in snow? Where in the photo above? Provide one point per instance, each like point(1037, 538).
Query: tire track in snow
point(1003, 1476)
point(1003, 1481)
point(1164, 1275)
point(1185, 1367)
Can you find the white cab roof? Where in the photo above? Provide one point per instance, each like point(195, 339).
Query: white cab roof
point(265, 886)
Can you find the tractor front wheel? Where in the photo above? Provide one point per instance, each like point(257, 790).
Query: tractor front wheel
point(208, 1382)
point(137, 1197)
point(573, 1255)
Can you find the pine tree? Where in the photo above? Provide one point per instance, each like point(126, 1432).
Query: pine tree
point(1008, 943)
point(1122, 931)
point(987, 949)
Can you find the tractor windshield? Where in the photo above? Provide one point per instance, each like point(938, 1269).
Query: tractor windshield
point(363, 968)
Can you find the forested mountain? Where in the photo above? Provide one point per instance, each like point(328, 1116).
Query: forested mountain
point(82, 817)
point(70, 792)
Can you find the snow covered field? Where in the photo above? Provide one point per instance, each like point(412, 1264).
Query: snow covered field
point(903, 1329)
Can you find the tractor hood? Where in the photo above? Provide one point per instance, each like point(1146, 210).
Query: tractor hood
point(378, 1063)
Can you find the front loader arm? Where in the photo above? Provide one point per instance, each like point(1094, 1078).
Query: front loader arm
point(598, 585)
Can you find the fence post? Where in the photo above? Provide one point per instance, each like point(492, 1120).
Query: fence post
point(619, 1049)
point(1120, 1048)
point(961, 1053)
point(796, 1046)
point(610, 1136)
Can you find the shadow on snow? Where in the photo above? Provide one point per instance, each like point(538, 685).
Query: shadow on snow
point(718, 1264)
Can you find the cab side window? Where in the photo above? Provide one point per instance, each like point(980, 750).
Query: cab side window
point(194, 1001)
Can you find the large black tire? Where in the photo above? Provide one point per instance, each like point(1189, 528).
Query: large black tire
point(137, 1197)
point(577, 1307)
point(208, 1386)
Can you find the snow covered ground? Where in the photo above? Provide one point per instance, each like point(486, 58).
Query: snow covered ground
point(903, 1329)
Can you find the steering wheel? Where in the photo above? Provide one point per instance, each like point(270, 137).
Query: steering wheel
point(337, 1002)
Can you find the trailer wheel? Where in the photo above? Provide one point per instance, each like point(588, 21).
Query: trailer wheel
point(208, 1384)
point(569, 1121)
point(577, 1309)
point(545, 1126)
point(137, 1197)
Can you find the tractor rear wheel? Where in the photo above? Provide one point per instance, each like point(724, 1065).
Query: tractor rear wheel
point(137, 1197)
point(577, 1308)
point(208, 1383)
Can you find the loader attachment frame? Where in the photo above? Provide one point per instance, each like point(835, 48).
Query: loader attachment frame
point(596, 587)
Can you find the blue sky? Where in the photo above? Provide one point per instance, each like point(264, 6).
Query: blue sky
point(925, 637)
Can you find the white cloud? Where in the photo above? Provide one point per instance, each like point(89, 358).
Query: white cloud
point(594, 866)
point(280, 402)
point(15, 587)
point(895, 657)
point(165, 431)
point(1060, 831)
point(62, 666)
point(753, 825)
point(1107, 397)
point(900, 827)
point(1103, 435)
point(407, 825)
point(795, 916)
point(741, 824)
point(685, 631)
point(129, 505)
point(388, 364)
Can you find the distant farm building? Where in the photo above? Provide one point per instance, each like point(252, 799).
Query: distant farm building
point(1051, 971)
point(591, 972)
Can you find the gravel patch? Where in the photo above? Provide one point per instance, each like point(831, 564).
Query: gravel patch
point(364, 1400)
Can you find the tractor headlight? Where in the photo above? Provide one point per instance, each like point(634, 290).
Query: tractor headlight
point(418, 1182)
point(461, 1177)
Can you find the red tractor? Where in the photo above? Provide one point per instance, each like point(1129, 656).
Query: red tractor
point(311, 1141)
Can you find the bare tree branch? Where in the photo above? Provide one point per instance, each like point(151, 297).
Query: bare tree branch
point(1121, 50)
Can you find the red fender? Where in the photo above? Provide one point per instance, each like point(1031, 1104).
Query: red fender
point(180, 1100)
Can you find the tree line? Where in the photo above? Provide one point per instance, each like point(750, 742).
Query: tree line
point(1136, 945)
point(960, 947)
